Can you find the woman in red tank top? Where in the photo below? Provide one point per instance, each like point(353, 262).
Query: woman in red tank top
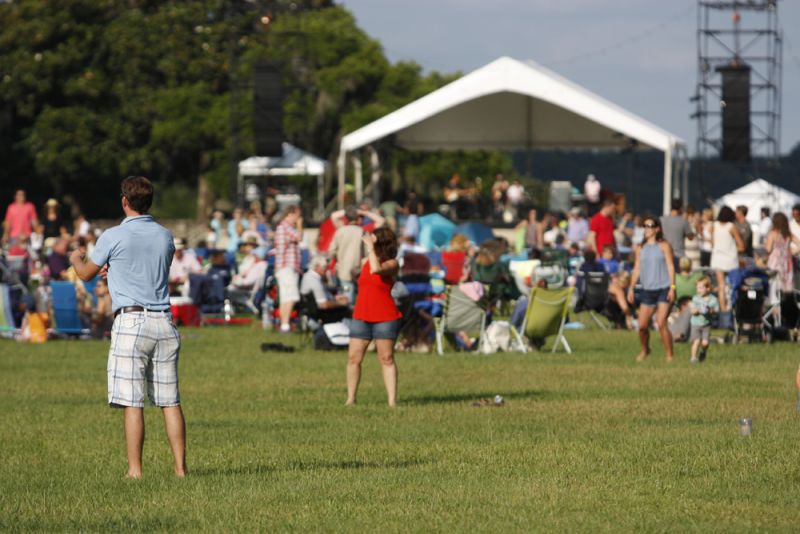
point(375, 315)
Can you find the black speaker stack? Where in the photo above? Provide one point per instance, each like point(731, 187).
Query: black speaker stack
point(735, 113)
point(268, 108)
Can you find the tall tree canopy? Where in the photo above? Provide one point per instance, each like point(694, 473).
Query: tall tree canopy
point(92, 91)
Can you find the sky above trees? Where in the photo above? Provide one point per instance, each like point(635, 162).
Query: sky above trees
point(640, 54)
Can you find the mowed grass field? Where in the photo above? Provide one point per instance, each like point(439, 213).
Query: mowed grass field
point(586, 442)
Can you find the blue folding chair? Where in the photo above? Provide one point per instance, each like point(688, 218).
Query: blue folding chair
point(65, 309)
point(89, 286)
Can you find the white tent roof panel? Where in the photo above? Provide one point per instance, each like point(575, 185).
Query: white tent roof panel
point(510, 104)
point(294, 162)
point(760, 194)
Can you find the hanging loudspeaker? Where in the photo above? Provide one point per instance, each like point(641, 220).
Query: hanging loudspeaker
point(735, 113)
point(267, 109)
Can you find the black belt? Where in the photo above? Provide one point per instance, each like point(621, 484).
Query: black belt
point(131, 309)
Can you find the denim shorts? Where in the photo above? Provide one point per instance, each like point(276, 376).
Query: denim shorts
point(365, 330)
point(651, 297)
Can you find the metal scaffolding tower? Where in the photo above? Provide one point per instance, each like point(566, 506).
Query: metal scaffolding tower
point(739, 34)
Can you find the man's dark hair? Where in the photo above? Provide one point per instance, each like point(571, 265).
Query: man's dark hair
point(677, 204)
point(765, 211)
point(351, 212)
point(742, 209)
point(139, 192)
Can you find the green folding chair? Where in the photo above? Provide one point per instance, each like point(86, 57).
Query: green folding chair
point(545, 316)
point(460, 313)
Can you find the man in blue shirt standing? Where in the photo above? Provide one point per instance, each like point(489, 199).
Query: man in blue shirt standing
point(136, 256)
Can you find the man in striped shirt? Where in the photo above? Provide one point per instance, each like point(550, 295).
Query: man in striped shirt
point(288, 236)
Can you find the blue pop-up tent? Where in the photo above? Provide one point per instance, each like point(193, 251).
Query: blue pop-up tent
point(435, 231)
point(474, 231)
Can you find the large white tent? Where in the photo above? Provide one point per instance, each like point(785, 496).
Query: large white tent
point(760, 194)
point(509, 104)
point(293, 162)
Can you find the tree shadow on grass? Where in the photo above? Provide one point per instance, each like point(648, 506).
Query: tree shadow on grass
point(473, 396)
point(304, 465)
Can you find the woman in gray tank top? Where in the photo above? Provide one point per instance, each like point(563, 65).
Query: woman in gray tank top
point(655, 269)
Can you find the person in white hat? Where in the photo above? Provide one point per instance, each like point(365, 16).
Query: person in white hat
point(183, 264)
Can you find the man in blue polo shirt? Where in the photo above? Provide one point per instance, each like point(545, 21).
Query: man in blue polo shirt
point(136, 256)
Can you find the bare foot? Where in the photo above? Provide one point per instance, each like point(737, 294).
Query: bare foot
point(350, 402)
point(642, 355)
point(182, 472)
point(669, 359)
point(133, 476)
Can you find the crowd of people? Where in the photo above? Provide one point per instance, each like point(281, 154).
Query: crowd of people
point(675, 254)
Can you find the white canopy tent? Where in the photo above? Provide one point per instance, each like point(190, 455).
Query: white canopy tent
point(293, 162)
point(512, 105)
point(759, 194)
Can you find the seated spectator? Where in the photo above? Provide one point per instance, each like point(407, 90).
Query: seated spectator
point(82, 295)
point(590, 263)
point(679, 319)
point(218, 265)
point(250, 252)
point(574, 258)
point(81, 226)
point(313, 283)
point(458, 243)
point(487, 268)
point(686, 280)
point(608, 261)
point(184, 263)
point(102, 316)
point(252, 269)
point(19, 257)
point(409, 244)
point(58, 260)
point(619, 310)
point(37, 241)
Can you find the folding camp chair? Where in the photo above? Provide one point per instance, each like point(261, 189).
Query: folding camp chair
point(522, 271)
point(460, 314)
point(65, 309)
point(7, 324)
point(555, 256)
point(594, 296)
point(453, 266)
point(546, 315)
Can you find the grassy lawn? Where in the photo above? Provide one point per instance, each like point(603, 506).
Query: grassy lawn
point(586, 442)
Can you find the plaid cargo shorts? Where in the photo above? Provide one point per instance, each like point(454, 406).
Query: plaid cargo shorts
point(144, 350)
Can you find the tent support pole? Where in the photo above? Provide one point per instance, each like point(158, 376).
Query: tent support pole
point(683, 176)
point(359, 176)
point(667, 180)
point(239, 189)
point(375, 167)
point(529, 137)
point(320, 197)
point(342, 169)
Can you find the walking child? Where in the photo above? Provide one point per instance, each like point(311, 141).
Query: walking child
point(703, 305)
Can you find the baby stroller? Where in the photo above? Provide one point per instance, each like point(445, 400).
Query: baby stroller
point(749, 295)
